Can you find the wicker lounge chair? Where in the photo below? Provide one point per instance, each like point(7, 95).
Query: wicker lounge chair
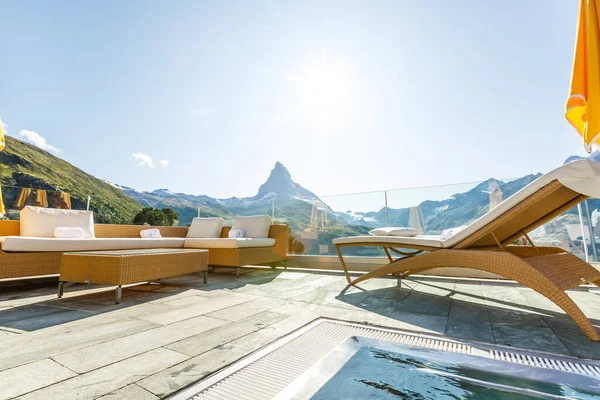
point(487, 243)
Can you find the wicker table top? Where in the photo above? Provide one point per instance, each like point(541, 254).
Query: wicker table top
point(138, 252)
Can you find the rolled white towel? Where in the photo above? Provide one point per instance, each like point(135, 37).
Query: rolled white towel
point(150, 233)
point(68, 232)
point(237, 233)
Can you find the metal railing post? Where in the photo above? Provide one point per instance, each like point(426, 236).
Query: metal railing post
point(386, 209)
point(87, 208)
point(592, 233)
point(585, 249)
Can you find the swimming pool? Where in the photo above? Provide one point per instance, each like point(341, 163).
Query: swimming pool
point(362, 368)
point(338, 359)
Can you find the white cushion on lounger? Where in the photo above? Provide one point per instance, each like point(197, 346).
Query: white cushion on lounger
point(228, 243)
point(40, 222)
point(254, 226)
point(394, 241)
point(205, 228)
point(37, 244)
point(395, 231)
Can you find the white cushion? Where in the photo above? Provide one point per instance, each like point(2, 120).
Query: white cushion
point(394, 241)
point(205, 228)
point(236, 233)
point(228, 243)
point(254, 226)
point(38, 244)
point(150, 233)
point(68, 232)
point(395, 231)
point(40, 222)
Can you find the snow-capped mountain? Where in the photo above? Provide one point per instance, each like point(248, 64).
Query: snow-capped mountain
point(279, 190)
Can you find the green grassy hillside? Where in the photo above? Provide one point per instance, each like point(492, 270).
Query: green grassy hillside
point(25, 165)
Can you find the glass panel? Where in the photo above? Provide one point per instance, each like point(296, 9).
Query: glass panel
point(314, 224)
point(435, 209)
point(15, 198)
point(432, 210)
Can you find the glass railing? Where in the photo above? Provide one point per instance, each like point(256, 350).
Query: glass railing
point(436, 210)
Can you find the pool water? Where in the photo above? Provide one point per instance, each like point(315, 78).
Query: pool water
point(372, 369)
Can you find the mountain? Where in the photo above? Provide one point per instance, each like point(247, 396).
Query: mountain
point(311, 220)
point(292, 202)
point(26, 165)
point(186, 205)
point(280, 190)
point(314, 223)
point(280, 182)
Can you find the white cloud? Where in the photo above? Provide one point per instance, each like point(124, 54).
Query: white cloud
point(164, 163)
point(38, 140)
point(144, 159)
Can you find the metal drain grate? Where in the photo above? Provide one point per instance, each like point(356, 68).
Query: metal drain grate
point(544, 362)
point(273, 368)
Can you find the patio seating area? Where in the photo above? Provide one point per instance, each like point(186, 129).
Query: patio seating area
point(168, 334)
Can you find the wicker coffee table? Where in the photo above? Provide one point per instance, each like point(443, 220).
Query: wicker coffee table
point(121, 267)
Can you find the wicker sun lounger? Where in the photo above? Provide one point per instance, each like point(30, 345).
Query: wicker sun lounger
point(488, 243)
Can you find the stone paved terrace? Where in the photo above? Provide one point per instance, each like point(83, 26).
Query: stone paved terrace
point(167, 335)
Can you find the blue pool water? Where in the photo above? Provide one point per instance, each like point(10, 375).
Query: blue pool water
point(372, 369)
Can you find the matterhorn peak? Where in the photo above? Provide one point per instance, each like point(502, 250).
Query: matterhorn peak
point(280, 182)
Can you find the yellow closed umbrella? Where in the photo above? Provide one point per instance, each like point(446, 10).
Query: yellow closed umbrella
point(41, 198)
point(583, 105)
point(64, 201)
point(22, 200)
point(2, 145)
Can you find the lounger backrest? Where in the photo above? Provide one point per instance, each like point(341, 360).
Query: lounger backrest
point(536, 210)
point(537, 203)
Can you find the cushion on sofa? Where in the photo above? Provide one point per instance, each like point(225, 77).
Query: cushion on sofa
point(42, 244)
point(41, 222)
point(205, 228)
point(228, 243)
point(254, 226)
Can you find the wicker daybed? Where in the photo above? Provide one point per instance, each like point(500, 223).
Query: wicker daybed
point(20, 264)
point(487, 244)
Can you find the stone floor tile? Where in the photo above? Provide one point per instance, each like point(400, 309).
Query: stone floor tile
point(110, 378)
point(469, 321)
point(29, 377)
point(194, 369)
point(244, 310)
point(22, 349)
point(208, 340)
point(109, 352)
point(130, 392)
point(203, 306)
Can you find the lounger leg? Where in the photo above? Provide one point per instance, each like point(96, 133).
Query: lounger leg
point(387, 253)
point(339, 253)
point(205, 276)
point(237, 272)
point(118, 291)
point(567, 304)
point(61, 289)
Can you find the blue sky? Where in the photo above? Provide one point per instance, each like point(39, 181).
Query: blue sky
point(350, 95)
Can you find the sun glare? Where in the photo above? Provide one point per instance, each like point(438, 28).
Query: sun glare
point(325, 87)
